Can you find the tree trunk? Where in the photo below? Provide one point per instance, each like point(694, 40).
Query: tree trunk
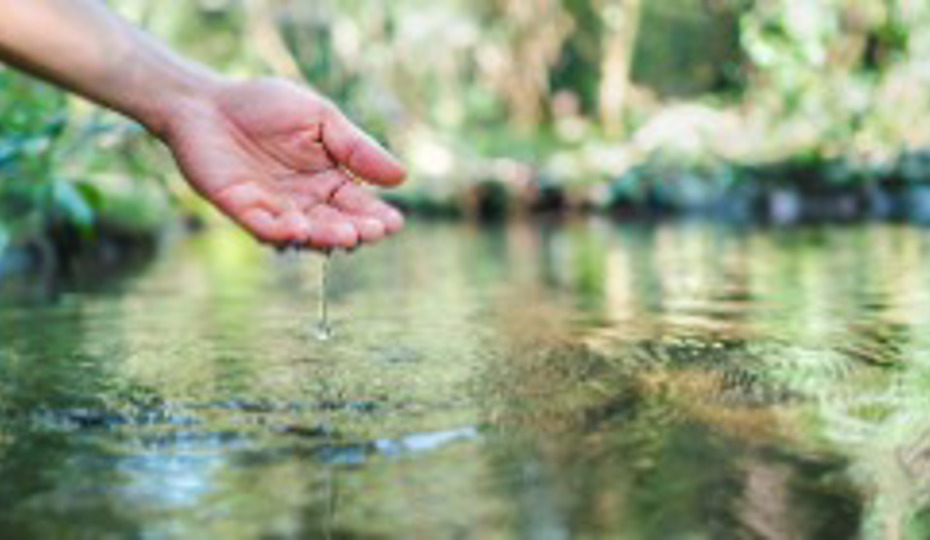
point(621, 19)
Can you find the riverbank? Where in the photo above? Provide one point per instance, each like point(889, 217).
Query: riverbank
point(791, 192)
point(794, 191)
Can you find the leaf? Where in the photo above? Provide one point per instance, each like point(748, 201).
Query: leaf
point(55, 125)
point(7, 154)
point(4, 240)
point(67, 199)
point(91, 194)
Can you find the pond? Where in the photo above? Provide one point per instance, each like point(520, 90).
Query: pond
point(539, 380)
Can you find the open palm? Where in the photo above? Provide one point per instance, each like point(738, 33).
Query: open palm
point(281, 161)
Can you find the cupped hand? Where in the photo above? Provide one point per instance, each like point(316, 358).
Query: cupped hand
point(283, 163)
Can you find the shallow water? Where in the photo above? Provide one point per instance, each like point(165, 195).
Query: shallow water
point(548, 382)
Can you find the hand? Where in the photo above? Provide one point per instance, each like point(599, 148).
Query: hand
point(282, 162)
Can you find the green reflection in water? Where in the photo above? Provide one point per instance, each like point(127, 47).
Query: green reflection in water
point(583, 380)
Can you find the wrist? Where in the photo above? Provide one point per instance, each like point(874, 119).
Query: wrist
point(178, 92)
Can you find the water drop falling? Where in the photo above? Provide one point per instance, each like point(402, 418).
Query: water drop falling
point(324, 329)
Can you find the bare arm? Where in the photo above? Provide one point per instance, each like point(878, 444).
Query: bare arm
point(81, 46)
point(274, 156)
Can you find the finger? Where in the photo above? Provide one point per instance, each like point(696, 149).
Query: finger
point(356, 200)
point(297, 226)
point(263, 225)
point(256, 210)
point(369, 229)
point(331, 228)
point(240, 196)
point(359, 153)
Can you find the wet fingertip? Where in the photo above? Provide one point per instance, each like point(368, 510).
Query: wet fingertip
point(297, 227)
point(394, 220)
point(345, 235)
point(263, 226)
point(396, 173)
point(370, 229)
point(335, 236)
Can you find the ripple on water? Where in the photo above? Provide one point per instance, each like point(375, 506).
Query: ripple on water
point(627, 383)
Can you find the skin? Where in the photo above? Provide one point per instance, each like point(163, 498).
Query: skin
point(278, 159)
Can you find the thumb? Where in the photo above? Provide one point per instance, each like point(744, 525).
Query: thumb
point(359, 153)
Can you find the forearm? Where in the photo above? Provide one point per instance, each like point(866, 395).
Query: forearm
point(82, 46)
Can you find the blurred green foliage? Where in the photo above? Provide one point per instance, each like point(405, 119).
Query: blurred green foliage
point(53, 160)
point(840, 65)
point(561, 94)
point(34, 120)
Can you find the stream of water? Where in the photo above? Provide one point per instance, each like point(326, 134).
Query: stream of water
point(324, 327)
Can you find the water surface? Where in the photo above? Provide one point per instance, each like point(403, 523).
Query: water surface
point(538, 381)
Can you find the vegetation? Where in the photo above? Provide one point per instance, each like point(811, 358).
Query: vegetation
point(578, 95)
point(67, 178)
point(551, 104)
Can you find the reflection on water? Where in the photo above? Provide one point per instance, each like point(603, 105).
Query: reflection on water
point(537, 381)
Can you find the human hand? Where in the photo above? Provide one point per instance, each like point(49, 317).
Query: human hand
point(281, 161)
